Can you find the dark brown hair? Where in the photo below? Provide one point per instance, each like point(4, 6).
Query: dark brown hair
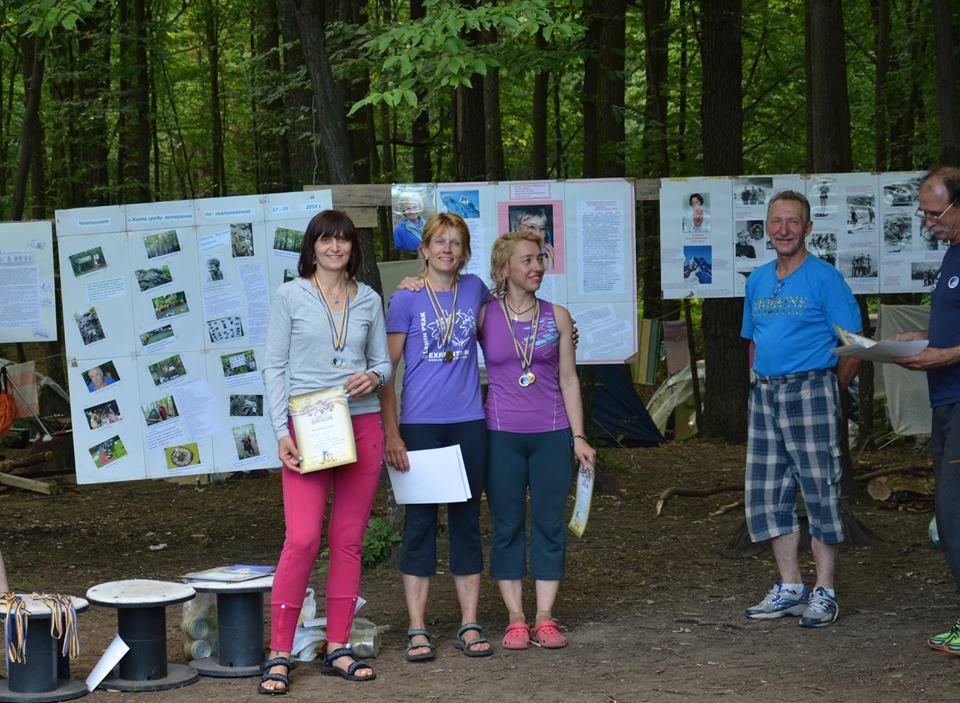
point(325, 224)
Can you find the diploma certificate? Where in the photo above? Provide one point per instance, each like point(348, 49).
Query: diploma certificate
point(324, 431)
point(581, 510)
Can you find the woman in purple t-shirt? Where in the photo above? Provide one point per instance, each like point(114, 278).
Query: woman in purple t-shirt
point(534, 415)
point(435, 330)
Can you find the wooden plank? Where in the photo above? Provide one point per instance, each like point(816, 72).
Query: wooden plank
point(28, 484)
point(646, 188)
point(357, 194)
point(361, 216)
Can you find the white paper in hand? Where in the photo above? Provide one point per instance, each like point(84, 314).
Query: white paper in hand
point(435, 476)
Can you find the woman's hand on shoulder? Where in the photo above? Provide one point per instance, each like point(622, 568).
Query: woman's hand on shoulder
point(565, 320)
point(585, 454)
point(288, 453)
point(395, 452)
point(414, 284)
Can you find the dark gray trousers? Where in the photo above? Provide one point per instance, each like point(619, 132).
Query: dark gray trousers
point(945, 447)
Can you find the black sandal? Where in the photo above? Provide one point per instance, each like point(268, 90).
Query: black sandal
point(467, 647)
point(423, 656)
point(328, 669)
point(279, 678)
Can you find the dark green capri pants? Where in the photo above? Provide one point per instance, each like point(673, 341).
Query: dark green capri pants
point(542, 462)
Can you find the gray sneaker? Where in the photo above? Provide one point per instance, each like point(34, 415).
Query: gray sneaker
point(822, 610)
point(778, 603)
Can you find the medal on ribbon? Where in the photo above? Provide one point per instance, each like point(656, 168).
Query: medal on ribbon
point(444, 321)
point(524, 351)
point(338, 334)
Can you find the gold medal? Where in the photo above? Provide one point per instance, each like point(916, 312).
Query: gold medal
point(524, 351)
point(444, 321)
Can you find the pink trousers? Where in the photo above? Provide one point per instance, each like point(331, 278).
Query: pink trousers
point(304, 500)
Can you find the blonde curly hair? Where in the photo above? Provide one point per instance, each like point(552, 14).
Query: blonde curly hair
point(500, 255)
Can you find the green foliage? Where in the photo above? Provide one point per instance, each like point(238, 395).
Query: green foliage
point(440, 51)
point(41, 17)
point(378, 542)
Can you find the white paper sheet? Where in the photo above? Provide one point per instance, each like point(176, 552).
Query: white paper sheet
point(198, 407)
point(581, 509)
point(435, 476)
point(601, 224)
point(110, 658)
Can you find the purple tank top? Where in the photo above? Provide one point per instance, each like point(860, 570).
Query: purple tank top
point(510, 407)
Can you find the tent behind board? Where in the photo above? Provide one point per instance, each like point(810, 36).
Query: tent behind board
point(619, 416)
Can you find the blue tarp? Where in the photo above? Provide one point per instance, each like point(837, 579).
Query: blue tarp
point(619, 414)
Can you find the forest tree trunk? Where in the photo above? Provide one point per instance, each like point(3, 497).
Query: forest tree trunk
point(943, 42)
point(725, 352)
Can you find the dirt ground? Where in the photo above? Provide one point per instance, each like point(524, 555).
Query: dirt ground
point(653, 606)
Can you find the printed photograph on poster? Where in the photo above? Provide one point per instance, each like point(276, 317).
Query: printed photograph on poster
point(824, 196)
point(752, 192)
point(245, 439)
point(897, 234)
point(88, 323)
point(161, 244)
point(246, 405)
point(539, 220)
point(465, 203)
point(151, 278)
point(698, 264)
point(99, 377)
point(182, 455)
point(152, 337)
point(171, 305)
point(167, 370)
point(225, 329)
point(903, 193)
point(160, 410)
point(214, 274)
point(287, 240)
point(861, 212)
point(289, 275)
point(237, 364)
point(107, 452)
point(857, 265)
point(88, 261)
point(924, 272)
point(412, 206)
point(241, 239)
point(749, 244)
point(103, 414)
point(823, 245)
point(696, 212)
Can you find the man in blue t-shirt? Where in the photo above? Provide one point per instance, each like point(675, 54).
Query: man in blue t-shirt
point(940, 211)
point(791, 309)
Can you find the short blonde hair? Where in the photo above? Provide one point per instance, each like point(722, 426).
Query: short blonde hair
point(500, 255)
point(438, 222)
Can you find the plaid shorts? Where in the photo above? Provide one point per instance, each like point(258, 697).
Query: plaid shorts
point(793, 439)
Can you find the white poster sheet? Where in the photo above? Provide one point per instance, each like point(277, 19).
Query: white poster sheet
point(696, 238)
point(27, 309)
point(910, 254)
point(844, 211)
point(476, 203)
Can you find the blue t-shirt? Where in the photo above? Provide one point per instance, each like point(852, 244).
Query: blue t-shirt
point(437, 391)
point(791, 320)
point(945, 329)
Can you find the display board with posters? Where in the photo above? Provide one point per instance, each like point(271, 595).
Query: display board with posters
point(863, 224)
point(27, 309)
point(165, 315)
point(166, 307)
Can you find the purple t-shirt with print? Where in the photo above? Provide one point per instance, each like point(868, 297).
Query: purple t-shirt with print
point(437, 391)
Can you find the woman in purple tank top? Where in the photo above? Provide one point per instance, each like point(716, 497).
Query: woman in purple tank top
point(534, 416)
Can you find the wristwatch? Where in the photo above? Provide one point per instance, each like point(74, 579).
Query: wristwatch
point(381, 381)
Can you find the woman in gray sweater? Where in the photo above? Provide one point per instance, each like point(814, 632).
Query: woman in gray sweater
point(326, 330)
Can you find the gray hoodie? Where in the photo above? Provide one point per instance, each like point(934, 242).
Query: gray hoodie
point(300, 346)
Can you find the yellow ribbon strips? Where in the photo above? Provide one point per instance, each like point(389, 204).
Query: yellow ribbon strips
point(525, 350)
point(338, 334)
point(63, 621)
point(444, 320)
point(17, 621)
